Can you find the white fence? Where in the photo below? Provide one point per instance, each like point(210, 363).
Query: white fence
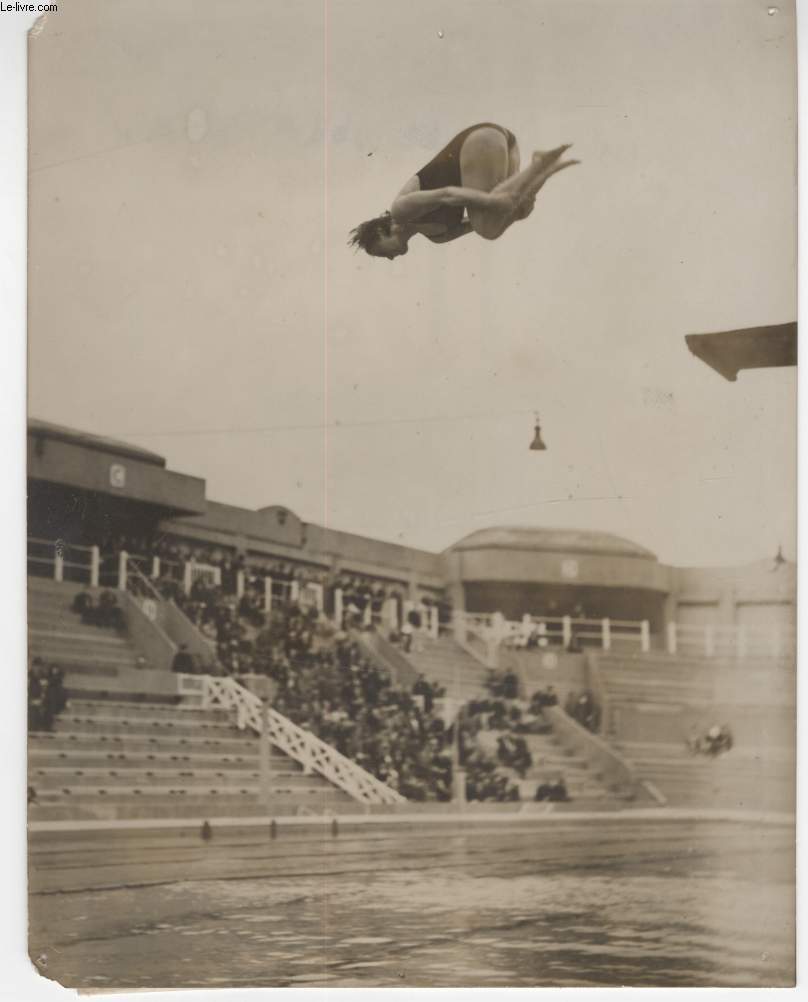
point(301, 745)
point(729, 641)
point(483, 634)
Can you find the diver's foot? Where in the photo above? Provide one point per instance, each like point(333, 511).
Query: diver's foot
point(546, 158)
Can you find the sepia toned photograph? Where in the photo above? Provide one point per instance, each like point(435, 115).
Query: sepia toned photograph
point(411, 494)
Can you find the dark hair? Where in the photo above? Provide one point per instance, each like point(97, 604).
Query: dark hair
point(366, 234)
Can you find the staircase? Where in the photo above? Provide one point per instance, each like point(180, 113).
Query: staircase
point(115, 759)
point(444, 662)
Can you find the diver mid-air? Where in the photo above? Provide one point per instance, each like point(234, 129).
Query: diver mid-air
point(473, 185)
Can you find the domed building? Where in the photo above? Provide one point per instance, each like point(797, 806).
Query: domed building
point(518, 570)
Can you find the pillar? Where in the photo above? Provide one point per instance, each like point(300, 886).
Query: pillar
point(434, 624)
point(645, 636)
point(267, 594)
point(155, 568)
point(239, 583)
point(566, 631)
point(265, 777)
point(123, 560)
point(672, 638)
point(459, 787)
point(58, 562)
point(390, 615)
point(606, 634)
point(294, 590)
point(459, 625)
point(339, 612)
point(95, 566)
point(187, 576)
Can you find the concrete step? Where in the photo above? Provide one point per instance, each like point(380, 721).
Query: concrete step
point(157, 794)
point(237, 742)
point(59, 778)
point(77, 638)
point(76, 660)
point(577, 790)
point(103, 809)
point(159, 711)
point(146, 724)
point(84, 758)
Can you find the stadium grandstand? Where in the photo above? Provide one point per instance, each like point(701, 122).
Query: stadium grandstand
point(191, 659)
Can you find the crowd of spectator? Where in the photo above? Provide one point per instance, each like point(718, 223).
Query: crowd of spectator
point(512, 718)
point(326, 685)
point(46, 695)
point(363, 596)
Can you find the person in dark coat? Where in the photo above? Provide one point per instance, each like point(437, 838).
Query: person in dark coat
point(183, 663)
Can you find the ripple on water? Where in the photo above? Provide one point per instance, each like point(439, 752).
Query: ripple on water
point(578, 927)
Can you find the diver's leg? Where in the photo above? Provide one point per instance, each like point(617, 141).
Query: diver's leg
point(486, 164)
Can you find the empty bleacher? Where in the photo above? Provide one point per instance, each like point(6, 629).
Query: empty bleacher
point(655, 703)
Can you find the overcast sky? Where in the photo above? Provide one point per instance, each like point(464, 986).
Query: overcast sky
point(195, 170)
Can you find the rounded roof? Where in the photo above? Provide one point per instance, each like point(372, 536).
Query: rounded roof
point(514, 537)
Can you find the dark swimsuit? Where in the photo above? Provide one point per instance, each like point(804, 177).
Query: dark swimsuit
point(443, 171)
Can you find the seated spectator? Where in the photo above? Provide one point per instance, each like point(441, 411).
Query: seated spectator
point(542, 791)
point(583, 708)
point(83, 603)
point(542, 698)
point(183, 663)
point(558, 791)
point(510, 686)
point(108, 612)
point(553, 790)
point(713, 742)
point(514, 753)
point(46, 695)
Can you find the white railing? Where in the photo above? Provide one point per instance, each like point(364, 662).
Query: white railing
point(299, 744)
point(61, 561)
point(195, 571)
point(482, 635)
point(730, 641)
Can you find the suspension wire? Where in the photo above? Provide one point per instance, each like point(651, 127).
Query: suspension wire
point(321, 425)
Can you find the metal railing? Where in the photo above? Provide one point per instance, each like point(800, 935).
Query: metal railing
point(301, 745)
